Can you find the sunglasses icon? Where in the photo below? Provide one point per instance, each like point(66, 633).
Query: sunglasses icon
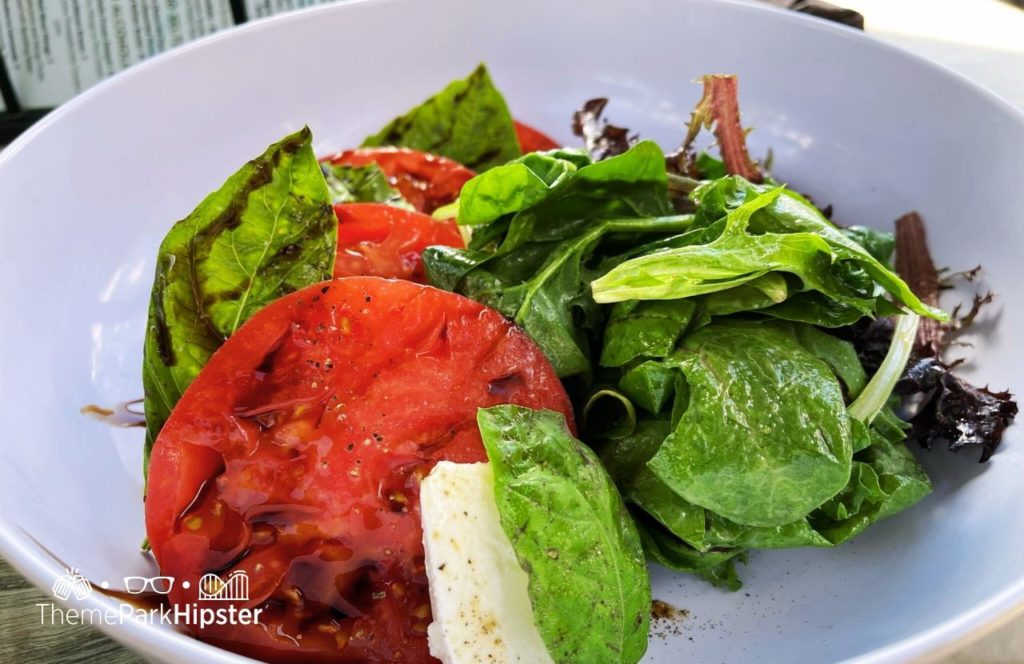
point(136, 585)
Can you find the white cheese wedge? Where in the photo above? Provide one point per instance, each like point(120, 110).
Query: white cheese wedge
point(478, 592)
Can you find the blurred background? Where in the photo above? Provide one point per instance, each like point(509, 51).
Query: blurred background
point(51, 50)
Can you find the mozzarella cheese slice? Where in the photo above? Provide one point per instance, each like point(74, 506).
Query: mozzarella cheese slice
point(478, 591)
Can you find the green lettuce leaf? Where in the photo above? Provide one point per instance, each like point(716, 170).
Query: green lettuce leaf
point(767, 229)
point(468, 121)
point(269, 230)
point(572, 534)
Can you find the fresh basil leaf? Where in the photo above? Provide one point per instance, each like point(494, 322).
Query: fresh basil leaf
point(269, 230)
point(572, 534)
point(468, 122)
point(361, 184)
point(764, 418)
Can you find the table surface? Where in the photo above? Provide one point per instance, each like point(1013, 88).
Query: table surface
point(979, 38)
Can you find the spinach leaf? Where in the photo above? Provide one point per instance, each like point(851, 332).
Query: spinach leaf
point(885, 479)
point(765, 418)
point(839, 355)
point(511, 187)
point(723, 533)
point(626, 460)
point(818, 309)
point(764, 291)
point(879, 244)
point(269, 230)
point(468, 121)
point(572, 534)
point(650, 385)
point(735, 258)
point(718, 567)
point(644, 329)
point(361, 184)
point(531, 260)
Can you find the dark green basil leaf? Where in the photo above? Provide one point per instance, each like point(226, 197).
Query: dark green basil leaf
point(468, 121)
point(269, 230)
point(361, 184)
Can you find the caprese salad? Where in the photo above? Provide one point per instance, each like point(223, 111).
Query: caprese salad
point(442, 395)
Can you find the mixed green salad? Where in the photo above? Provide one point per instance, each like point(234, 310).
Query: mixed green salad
point(654, 354)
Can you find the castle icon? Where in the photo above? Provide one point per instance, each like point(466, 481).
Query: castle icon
point(235, 587)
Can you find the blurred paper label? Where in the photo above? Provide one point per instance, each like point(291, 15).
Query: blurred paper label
point(54, 49)
point(263, 8)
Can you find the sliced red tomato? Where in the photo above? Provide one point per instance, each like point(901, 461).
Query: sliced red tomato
point(425, 180)
point(296, 457)
point(531, 140)
point(378, 240)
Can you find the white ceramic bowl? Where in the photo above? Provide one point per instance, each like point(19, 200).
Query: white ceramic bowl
point(86, 196)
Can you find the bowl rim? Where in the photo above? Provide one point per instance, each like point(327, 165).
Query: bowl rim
point(35, 563)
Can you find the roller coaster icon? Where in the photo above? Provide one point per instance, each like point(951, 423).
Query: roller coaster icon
point(233, 588)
